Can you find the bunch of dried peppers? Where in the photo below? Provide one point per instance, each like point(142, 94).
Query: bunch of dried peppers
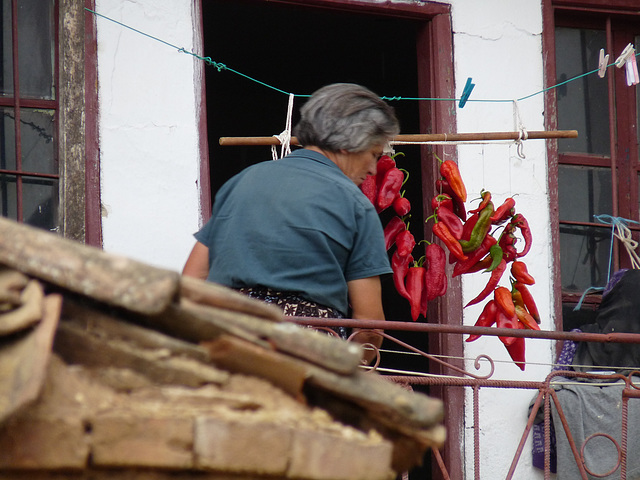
point(418, 280)
point(484, 239)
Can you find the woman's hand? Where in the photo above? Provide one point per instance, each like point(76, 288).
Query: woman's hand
point(197, 265)
point(365, 296)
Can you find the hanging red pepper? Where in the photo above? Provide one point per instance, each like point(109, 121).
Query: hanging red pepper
point(452, 221)
point(480, 230)
point(369, 188)
point(502, 296)
point(504, 211)
point(507, 243)
point(391, 231)
point(443, 187)
point(401, 206)
point(520, 273)
point(389, 188)
point(495, 277)
point(441, 231)
point(486, 319)
point(528, 300)
point(516, 351)
point(481, 265)
point(474, 257)
point(506, 321)
point(405, 242)
point(449, 170)
point(385, 163)
point(521, 223)
point(435, 275)
point(400, 267)
point(441, 200)
point(526, 319)
point(486, 198)
point(468, 226)
point(415, 284)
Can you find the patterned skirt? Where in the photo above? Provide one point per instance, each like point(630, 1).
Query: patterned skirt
point(296, 306)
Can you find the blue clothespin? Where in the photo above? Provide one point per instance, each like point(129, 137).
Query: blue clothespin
point(466, 92)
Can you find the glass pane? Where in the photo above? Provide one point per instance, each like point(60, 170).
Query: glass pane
point(6, 50)
point(36, 133)
point(8, 196)
point(40, 202)
point(7, 139)
point(583, 104)
point(584, 192)
point(36, 48)
point(584, 257)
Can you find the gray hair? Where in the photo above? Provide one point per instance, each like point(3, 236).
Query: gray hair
point(345, 116)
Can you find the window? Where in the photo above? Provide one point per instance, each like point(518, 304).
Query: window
point(597, 173)
point(29, 176)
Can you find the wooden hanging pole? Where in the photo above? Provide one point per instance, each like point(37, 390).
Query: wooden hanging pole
point(432, 137)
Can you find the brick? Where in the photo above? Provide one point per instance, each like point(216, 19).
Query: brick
point(43, 443)
point(142, 442)
point(327, 456)
point(242, 445)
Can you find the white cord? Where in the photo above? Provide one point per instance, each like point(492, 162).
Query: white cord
point(285, 136)
point(522, 131)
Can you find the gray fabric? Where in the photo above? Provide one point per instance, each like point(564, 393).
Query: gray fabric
point(596, 409)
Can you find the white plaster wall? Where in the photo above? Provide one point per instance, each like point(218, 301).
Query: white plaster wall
point(149, 154)
point(498, 43)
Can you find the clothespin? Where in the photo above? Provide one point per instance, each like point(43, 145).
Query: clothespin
point(628, 59)
point(466, 92)
point(603, 63)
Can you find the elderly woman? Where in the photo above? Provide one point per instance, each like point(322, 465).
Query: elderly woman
point(298, 232)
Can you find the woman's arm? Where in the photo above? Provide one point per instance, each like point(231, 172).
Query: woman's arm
point(365, 296)
point(197, 265)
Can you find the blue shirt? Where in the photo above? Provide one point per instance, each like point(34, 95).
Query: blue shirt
point(296, 224)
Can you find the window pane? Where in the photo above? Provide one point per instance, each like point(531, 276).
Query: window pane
point(7, 139)
point(584, 257)
point(6, 50)
point(8, 195)
point(584, 192)
point(36, 48)
point(36, 132)
point(583, 104)
point(40, 202)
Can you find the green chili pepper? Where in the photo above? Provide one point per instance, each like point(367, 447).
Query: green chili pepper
point(496, 257)
point(480, 230)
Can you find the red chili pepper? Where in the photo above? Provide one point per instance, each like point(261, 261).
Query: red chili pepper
point(516, 351)
point(520, 273)
point(441, 200)
point(526, 319)
point(415, 284)
point(369, 188)
point(400, 267)
point(528, 300)
point(468, 226)
point(389, 188)
point(441, 231)
point(452, 221)
point(391, 231)
point(385, 163)
point(480, 230)
point(495, 277)
point(449, 170)
point(506, 321)
point(442, 186)
point(521, 223)
point(507, 243)
point(478, 254)
point(435, 275)
point(486, 319)
point(502, 296)
point(405, 243)
point(402, 206)
point(486, 198)
point(481, 265)
point(504, 211)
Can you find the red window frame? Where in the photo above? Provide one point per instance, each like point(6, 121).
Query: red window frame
point(18, 103)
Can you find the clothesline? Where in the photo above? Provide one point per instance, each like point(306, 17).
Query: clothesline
point(429, 137)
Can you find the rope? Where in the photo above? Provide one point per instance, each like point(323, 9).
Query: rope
point(285, 136)
point(522, 131)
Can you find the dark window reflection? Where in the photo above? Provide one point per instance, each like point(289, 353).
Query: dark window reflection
point(584, 257)
point(584, 192)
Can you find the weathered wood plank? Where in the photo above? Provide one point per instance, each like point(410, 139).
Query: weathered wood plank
point(27, 314)
point(24, 360)
point(86, 270)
